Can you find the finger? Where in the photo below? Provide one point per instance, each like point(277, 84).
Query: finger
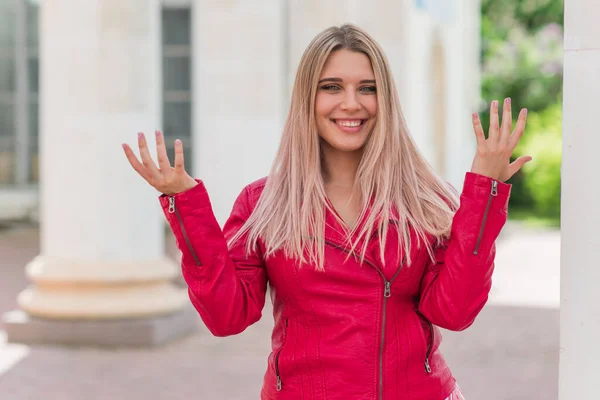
point(135, 163)
point(179, 160)
point(478, 129)
point(145, 154)
point(506, 128)
point(516, 165)
point(161, 152)
point(515, 137)
point(494, 122)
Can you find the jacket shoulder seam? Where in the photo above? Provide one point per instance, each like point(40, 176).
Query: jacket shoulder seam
point(254, 190)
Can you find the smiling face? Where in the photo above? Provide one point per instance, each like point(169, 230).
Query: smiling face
point(346, 101)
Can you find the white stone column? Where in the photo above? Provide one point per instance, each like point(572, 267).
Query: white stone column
point(580, 215)
point(239, 98)
point(102, 237)
point(442, 83)
point(463, 86)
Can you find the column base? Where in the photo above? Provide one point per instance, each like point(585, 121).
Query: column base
point(132, 300)
point(151, 331)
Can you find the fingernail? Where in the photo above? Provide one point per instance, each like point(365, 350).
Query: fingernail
point(508, 100)
point(475, 116)
point(525, 113)
point(157, 133)
point(495, 103)
point(177, 142)
point(124, 146)
point(140, 135)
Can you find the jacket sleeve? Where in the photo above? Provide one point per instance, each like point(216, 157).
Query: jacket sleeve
point(227, 288)
point(455, 287)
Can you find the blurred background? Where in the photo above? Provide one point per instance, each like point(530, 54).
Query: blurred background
point(83, 243)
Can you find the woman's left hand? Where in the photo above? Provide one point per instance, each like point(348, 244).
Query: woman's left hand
point(493, 154)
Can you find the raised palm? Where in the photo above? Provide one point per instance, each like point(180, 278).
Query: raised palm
point(164, 177)
point(493, 154)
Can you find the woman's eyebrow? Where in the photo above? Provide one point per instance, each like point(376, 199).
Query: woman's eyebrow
point(330, 80)
point(371, 81)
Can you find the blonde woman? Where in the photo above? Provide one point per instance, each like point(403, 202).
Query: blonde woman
point(365, 248)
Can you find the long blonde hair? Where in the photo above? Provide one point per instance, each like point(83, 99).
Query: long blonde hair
point(392, 175)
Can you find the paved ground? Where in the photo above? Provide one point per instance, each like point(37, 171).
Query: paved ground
point(510, 353)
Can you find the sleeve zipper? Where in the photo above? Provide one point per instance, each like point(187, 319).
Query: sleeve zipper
point(493, 193)
point(173, 209)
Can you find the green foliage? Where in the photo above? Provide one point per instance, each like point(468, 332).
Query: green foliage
point(526, 67)
point(542, 175)
point(522, 51)
point(503, 15)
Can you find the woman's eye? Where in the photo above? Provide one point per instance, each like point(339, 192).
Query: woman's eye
point(335, 88)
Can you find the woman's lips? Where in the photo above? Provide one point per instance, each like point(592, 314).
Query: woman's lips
point(349, 125)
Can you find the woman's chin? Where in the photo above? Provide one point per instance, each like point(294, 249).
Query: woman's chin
point(346, 146)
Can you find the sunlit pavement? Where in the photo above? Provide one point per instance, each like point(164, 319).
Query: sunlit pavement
point(510, 353)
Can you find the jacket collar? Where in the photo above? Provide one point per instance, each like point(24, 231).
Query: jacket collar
point(336, 232)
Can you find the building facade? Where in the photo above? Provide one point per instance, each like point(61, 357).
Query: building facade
point(78, 78)
point(215, 56)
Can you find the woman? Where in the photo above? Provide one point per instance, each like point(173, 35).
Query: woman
point(365, 248)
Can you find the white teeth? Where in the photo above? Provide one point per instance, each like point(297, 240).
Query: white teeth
point(352, 124)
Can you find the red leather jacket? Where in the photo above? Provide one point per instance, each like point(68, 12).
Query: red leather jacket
point(353, 331)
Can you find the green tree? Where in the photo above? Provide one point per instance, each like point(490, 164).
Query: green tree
point(502, 16)
point(522, 49)
point(542, 178)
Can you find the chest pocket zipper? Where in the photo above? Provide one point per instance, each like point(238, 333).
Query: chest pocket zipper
point(277, 372)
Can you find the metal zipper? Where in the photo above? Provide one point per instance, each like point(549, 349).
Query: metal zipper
point(279, 382)
point(387, 293)
point(173, 209)
point(430, 347)
point(429, 342)
point(493, 193)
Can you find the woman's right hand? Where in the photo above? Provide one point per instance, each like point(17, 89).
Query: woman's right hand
point(164, 178)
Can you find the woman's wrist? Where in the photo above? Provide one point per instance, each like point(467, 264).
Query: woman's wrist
point(188, 185)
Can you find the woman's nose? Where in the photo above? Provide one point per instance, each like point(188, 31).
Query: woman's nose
point(350, 101)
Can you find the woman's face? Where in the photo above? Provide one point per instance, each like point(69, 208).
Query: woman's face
point(346, 102)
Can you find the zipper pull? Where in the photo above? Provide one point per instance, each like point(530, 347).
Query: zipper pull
point(278, 383)
point(171, 205)
point(427, 367)
point(388, 290)
point(494, 188)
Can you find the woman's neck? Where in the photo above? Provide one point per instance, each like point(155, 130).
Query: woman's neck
point(339, 168)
